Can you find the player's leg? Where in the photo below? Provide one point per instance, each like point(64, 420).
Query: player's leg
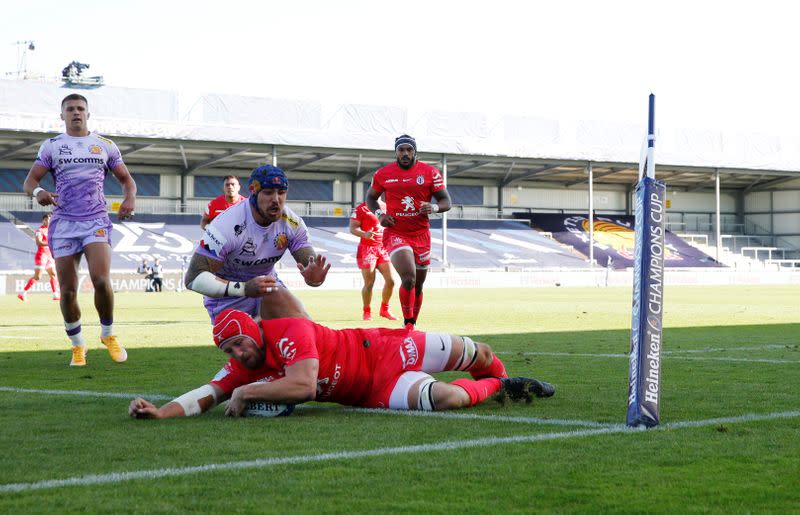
point(422, 260)
point(282, 303)
point(403, 261)
point(37, 272)
point(67, 270)
point(51, 271)
point(422, 274)
point(388, 286)
point(419, 391)
point(98, 259)
point(368, 274)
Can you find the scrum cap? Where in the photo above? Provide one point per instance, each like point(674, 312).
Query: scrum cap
point(233, 323)
point(265, 177)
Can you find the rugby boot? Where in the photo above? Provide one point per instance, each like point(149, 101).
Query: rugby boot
point(367, 315)
point(524, 388)
point(78, 356)
point(117, 351)
point(385, 313)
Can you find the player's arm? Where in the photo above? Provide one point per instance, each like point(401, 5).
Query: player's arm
point(355, 230)
point(189, 404)
point(442, 203)
point(125, 179)
point(205, 220)
point(40, 240)
point(202, 278)
point(371, 199)
point(314, 268)
point(32, 188)
point(299, 384)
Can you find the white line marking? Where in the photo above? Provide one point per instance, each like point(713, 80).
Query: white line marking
point(118, 477)
point(438, 414)
point(10, 337)
point(626, 356)
point(721, 349)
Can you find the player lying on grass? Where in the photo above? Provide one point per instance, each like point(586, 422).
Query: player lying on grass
point(293, 360)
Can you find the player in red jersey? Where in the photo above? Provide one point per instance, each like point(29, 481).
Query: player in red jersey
point(230, 197)
point(294, 360)
point(43, 260)
point(408, 186)
point(370, 256)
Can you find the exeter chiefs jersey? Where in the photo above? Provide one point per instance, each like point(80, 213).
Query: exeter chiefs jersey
point(247, 249)
point(79, 166)
point(405, 190)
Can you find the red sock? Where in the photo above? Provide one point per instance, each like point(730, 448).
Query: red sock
point(407, 302)
point(479, 390)
point(417, 305)
point(31, 282)
point(495, 369)
point(384, 307)
point(53, 285)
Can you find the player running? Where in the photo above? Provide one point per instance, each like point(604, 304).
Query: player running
point(43, 260)
point(408, 185)
point(230, 197)
point(79, 161)
point(291, 360)
point(371, 256)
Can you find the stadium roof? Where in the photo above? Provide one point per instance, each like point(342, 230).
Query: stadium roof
point(225, 134)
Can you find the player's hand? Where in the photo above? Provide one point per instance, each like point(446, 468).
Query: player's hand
point(387, 220)
point(141, 408)
point(125, 210)
point(315, 272)
point(45, 198)
point(426, 208)
point(369, 235)
point(260, 285)
point(236, 405)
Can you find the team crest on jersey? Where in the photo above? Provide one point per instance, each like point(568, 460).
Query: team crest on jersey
point(408, 352)
point(100, 233)
point(64, 150)
point(286, 348)
point(281, 241)
point(238, 228)
point(420, 180)
point(94, 149)
point(249, 248)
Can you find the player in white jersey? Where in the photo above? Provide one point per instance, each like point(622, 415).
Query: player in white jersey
point(234, 264)
point(79, 161)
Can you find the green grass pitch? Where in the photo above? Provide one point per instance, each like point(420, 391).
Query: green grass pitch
point(728, 441)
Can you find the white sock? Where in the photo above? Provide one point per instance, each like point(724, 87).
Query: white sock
point(76, 338)
point(106, 330)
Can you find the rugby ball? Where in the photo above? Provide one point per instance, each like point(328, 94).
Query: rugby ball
point(267, 409)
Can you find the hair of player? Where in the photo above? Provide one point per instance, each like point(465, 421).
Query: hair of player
point(230, 177)
point(74, 96)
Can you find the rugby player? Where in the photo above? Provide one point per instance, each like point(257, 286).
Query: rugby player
point(409, 186)
point(291, 360)
point(234, 264)
point(230, 197)
point(43, 260)
point(79, 161)
point(371, 256)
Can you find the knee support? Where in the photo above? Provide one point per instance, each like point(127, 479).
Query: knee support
point(468, 355)
point(425, 391)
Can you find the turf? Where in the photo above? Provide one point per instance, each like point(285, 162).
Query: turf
point(729, 352)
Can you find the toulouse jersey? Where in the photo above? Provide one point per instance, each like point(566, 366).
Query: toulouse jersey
point(247, 249)
point(369, 223)
point(346, 362)
point(41, 233)
point(220, 204)
point(79, 166)
point(405, 190)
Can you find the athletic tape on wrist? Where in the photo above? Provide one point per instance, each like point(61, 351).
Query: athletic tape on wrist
point(190, 401)
point(36, 191)
point(434, 208)
point(210, 285)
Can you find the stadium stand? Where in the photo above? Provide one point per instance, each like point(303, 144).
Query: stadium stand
point(614, 240)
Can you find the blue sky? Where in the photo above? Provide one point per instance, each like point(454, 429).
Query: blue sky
point(711, 64)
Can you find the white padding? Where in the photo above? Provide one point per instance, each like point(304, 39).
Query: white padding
point(212, 286)
point(190, 401)
point(437, 351)
point(425, 402)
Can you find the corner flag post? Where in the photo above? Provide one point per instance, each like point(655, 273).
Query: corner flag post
point(644, 386)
